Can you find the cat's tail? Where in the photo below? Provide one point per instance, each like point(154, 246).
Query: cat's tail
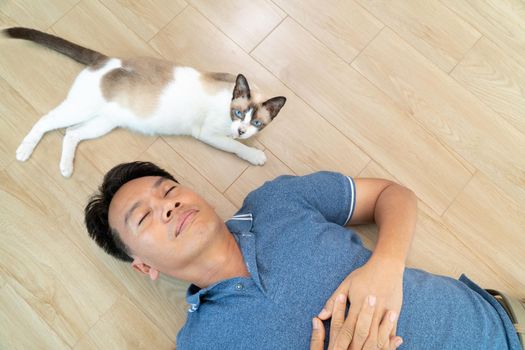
point(78, 53)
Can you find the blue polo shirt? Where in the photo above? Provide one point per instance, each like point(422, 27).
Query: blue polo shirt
point(297, 251)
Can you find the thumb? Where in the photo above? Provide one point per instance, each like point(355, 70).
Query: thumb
point(317, 340)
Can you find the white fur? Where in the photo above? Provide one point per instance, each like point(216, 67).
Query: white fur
point(184, 108)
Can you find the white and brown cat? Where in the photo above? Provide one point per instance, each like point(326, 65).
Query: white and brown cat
point(151, 96)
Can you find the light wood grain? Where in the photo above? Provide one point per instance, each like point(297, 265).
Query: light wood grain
point(145, 18)
point(37, 14)
point(105, 32)
point(445, 108)
point(502, 21)
point(343, 26)
point(26, 329)
point(481, 216)
point(428, 26)
point(306, 142)
point(48, 271)
point(138, 332)
point(245, 22)
point(496, 79)
point(363, 113)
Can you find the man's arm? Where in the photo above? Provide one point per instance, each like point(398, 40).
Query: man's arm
point(394, 209)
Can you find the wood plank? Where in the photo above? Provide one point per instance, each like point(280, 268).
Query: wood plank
point(306, 142)
point(363, 113)
point(428, 26)
point(254, 177)
point(138, 332)
point(22, 327)
point(436, 248)
point(245, 22)
point(503, 22)
point(344, 26)
point(455, 116)
point(496, 79)
point(491, 223)
point(34, 256)
point(36, 14)
point(145, 18)
point(16, 117)
point(106, 34)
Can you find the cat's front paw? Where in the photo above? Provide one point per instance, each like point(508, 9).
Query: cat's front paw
point(66, 168)
point(23, 152)
point(256, 157)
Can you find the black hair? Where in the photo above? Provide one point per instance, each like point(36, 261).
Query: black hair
point(96, 211)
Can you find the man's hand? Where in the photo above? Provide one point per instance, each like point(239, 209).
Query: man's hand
point(380, 277)
point(365, 336)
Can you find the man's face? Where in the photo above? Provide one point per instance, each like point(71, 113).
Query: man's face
point(166, 226)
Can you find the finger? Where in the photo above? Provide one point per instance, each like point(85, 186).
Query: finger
point(317, 340)
point(345, 335)
point(326, 312)
point(338, 317)
point(383, 335)
point(395, 342)
point(364, 320)
point(394, 329)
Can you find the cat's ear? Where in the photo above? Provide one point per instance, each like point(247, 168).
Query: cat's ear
point(242, 89)
point(274, 105)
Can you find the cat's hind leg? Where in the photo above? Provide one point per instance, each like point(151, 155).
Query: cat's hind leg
point(67, 113)
point(90, 129)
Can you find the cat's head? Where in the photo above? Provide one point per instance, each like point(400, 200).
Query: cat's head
point(248, 115)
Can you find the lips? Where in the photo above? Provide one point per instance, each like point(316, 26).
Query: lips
point(185, 220)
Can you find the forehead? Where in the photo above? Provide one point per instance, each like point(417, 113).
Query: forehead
point(130, 192)
point(240, 103)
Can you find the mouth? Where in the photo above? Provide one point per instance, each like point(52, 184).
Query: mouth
point(185, 221)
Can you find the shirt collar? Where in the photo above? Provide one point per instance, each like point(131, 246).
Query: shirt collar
point(240, 225)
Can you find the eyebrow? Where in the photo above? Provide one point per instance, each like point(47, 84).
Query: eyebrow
point(159, 181)
point(137, 204)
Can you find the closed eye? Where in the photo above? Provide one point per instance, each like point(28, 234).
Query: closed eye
point(144, 217)
point(168, 191)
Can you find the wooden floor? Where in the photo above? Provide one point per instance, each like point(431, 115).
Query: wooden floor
point(428, 93)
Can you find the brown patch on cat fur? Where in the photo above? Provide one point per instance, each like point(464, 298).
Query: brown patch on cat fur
point(213, 82)
point(263, 115)
point(137, 85)
point(240, 103)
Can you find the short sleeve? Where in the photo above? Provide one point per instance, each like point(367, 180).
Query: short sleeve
point(329, 193)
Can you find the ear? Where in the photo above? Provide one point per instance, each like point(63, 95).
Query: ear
point(242, 89)
point(141, 267)
point(274, 105)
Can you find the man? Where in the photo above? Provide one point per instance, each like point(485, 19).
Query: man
point(259, 279)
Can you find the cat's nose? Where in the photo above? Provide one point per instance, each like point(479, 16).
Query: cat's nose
point(241, 131)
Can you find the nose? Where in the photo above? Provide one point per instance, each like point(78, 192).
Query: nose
point(241, 131)
point(168, 210)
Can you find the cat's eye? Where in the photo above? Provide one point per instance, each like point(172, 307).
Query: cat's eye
point(238, 113)
point(256, 123)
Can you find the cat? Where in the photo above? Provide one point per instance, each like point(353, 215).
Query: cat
point(151, 96)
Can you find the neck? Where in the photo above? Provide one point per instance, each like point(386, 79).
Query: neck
point(227, 263)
